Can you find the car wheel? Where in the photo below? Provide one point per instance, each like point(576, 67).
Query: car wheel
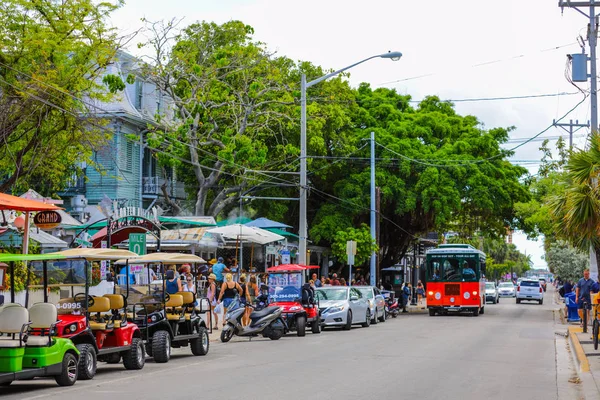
point(383, 316)
point(348, 325)
point(541, 302)
point(374, 319)
point(498, 300)
point(367, 322)
point(87, 361)
point(518, 301)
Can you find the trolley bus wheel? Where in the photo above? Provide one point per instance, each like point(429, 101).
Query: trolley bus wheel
point(482, 311)
point(431, 312)
point(476, 312)
point(595, 331)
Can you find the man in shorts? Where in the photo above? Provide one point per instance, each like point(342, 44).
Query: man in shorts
point(583, 295)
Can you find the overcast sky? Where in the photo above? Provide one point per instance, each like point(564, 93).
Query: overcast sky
point(466, 49)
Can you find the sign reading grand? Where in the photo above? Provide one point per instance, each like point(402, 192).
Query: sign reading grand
point(47, 219)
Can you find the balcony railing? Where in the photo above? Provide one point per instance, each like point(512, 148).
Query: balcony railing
point(74, 185)
point(152, 186)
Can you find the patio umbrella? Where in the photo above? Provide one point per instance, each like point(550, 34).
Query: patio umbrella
point(265, 223)
point(246, 233)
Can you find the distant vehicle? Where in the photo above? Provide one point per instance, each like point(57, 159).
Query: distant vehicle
point(376, 302)
point(530, 289)
point(543, 282)
point(343, 306)
point(506, 289)
point(491, 293)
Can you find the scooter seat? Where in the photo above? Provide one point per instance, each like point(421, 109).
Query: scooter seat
point(263, 312)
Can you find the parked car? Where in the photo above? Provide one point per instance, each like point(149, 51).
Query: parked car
point(530, 289)
point(491, 293)
point(507, 289)
point(343, 306)
point(376, 302)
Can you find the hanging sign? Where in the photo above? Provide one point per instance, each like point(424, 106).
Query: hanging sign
point(47, 220)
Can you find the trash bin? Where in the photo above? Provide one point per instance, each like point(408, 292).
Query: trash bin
point(573, 315)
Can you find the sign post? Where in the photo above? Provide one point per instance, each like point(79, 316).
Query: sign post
point(350, 253)
point(137, 243)
point(103, 245)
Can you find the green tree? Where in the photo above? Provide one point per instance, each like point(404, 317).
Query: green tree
point(566, 261)
point(437, 170)
point(365, 245)
point(52, 52)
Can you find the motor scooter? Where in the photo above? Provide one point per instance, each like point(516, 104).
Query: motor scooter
point(391, 304)
point(266, 322)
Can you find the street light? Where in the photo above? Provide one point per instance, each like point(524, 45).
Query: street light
point(392, 55)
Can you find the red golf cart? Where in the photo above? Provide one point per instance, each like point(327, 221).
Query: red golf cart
point(290, 290)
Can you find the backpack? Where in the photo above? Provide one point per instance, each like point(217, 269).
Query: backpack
point(561, 291)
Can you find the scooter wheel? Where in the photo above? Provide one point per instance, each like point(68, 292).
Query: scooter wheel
point(226, 334)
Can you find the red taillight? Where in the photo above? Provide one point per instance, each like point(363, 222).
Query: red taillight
point(540, 290)
point(518, 288)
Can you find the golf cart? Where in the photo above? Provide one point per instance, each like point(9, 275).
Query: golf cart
point(29, 347)
point(166, 320)
point(95, 323)
point(288, 289)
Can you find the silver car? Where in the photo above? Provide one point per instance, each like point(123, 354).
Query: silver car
point(506, 289)
point(343, 306)
point(376, 302)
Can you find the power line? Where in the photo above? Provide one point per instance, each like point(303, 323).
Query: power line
point(530, 96)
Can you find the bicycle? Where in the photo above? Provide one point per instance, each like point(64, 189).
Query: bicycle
point(595, 323)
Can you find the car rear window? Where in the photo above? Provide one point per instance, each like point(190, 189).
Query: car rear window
point(529, 283)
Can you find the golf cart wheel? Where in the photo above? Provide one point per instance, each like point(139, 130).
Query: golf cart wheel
point(431, 312)
point(276, 334)
point(113, 358)
point(161, 346)
point(200, 346)
point(348, 325)
point(135, 357)
point(301, 325)
point(315, 326)
point(68, 375)
point(87, 361)
point(595, 331)
point(482, 311)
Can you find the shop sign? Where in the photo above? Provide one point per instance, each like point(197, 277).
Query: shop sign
point(47, 220)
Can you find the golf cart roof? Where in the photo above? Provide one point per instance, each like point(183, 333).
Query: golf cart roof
point(92, 254)
point(291, 268)
point(6, 257)
point(168, 258)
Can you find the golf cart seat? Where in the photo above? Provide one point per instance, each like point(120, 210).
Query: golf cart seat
point(100, 322)
point(13, 325)
point(308, 295)
point(188, 303)
point(264, 312)
point(43, 317)
point(117, 303)
point(174, 307)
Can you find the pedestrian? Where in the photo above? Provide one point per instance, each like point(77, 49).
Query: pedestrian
point(316, 280)
point(405, 296)
point(327, 282)
point(583, 295)
point(312, 283)
point(228, 290)
point(420, 292)
point(252, 288)
point(245, 300)
point(211, 293)
point(335, 281)
point(173, 285)
point(218, 270)
point(322, 280)
point(189, 284)
point(343, 282)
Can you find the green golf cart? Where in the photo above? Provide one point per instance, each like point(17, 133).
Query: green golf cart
point(29, 347)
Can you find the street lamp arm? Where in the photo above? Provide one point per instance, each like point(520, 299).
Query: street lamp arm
point(339, 71)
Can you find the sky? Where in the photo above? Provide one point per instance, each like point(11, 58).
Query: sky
point(470, 49)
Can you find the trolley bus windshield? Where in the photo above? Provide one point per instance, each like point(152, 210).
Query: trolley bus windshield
point(453, 268)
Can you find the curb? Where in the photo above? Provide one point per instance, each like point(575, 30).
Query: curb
point(581, 360)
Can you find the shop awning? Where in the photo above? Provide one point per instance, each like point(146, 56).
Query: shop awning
point(283, 233)
point(9, 202)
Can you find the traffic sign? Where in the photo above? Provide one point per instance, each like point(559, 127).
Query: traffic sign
point(137, 243)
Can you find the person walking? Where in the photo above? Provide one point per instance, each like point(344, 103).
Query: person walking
point(335, 281)
point(583, 295)
point(405, 296)
point(420, 292)
point(211, 293)
point(245, 300)
point(228, 290)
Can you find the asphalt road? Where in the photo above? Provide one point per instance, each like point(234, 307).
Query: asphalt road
point(508, 353)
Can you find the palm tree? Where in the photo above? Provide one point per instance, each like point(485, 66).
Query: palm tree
point(576, 210)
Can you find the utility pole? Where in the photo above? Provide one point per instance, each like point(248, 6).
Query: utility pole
point(378, 221)
point(570, 125)
point(592, 36)
point(372, 270)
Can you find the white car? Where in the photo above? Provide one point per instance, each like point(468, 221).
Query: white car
point(506, 289)
point(343, 306)
point(530, 289)
point(376, 302)
point(491, 293)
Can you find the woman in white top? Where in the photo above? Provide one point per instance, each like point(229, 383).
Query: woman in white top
point(189, 284)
